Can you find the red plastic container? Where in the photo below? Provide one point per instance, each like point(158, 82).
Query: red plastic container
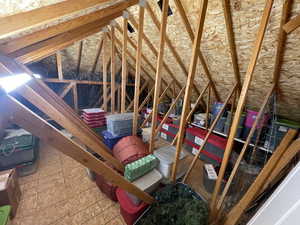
point(130, 149)
point(106, 187)
point(129, 211)
point(251, 117)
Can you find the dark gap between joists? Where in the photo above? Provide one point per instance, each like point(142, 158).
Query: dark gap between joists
point(160, 3)
point(130, 28)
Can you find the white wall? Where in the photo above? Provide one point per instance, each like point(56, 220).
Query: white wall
point(283, 207)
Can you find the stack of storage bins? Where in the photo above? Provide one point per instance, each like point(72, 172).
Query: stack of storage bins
point(94, 117)
point(168, 131)
point(213, 150)
point(141, 173)
point(19, 149)
point(277, 131)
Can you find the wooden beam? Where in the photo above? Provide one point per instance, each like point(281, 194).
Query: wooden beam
point(212, 127)
point(190, 80)
point(36, 17)
point(189, 29)
point(104, 73)
point(159, 100)
point(292, 25)
point(49, 32)
point(113, 70)
point(159, 70)
point(207, 107)
point(40, 95)
point(166, 116)
point(241, 102)
point(59, 66)
point(155, 52)
point(66, 90)
point(75, 98)
point(285, 15)
point(80, 47)
point(192, 110)
point(97, 56)
point(146, 99)
point(290, 153)
point(25, 118)
point(141, 90)
point(90, 82)
point(124, 65)
point(48, 47)
point(234, 215)
point(245, 146)
point(231, 41)
point(140, 32)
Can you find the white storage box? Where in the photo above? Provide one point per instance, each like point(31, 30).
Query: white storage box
point(166, 156)
point(148, 183)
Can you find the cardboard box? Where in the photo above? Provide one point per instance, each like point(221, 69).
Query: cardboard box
point(10, 192)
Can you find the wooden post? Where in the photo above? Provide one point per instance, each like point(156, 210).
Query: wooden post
point(26, 119)
point(207, 107)
point(220, 113)
point(124, 62)
point(245, 146)
point(292, 25)
point(113, 67)
point(141, 90)
point(53, 106)
point(75, 97)
point(241, 102)
point(192, 71)
point(97, 56)
point(192, 110)
point(285, 15)
point(59, 66)
point(66, 90)
point(159, 70)
point(104, 69)
point(234, 215)
point(79, 58)
point(231, 41)
point(169, 111)
point(189, 29)
point(159, 100)
point(138, 67)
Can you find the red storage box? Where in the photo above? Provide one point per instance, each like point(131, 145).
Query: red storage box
point(93, 111)
point(129, 149)
point(128, 210)
point(92, 119)
point(106, 187)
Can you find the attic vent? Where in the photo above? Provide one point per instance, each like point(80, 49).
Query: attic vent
point(160, 3)
point(130, 28)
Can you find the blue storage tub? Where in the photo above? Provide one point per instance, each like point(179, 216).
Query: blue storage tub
point(110, 140)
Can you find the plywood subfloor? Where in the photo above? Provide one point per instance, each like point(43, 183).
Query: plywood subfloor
point(60, 193)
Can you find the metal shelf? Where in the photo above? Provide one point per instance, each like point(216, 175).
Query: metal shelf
point(236, 139)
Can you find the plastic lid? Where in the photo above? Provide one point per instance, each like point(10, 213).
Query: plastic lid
point(288, 123)
point(4, 214)
point(93, 110)
point(167, 154)
point(120, 116)
point(148, 180)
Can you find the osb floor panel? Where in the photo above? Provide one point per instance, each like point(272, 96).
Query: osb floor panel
point(60, 193)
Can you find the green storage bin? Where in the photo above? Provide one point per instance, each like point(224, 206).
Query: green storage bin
point(4, 214)
point(140, 167)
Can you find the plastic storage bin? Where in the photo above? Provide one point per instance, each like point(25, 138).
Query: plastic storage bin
point(217, 106)
point(140, 167)
point(129, 211)
point(110, 140)
point(4, 215)
point(130, 149)
point(166, 156)
point(220, 125)
point(147, 183)
point(229, 118)
point(18, 150)
point(170, 127)
point(119, 124)
point(28, 168)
